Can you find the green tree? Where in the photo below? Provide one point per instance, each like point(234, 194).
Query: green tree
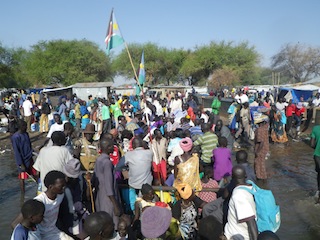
point(20, 79)
point(5, 67)
point(10, 62)
point(162, 65)
point(297, 61)
point(242, 58)
point(171, 63)
point(66, 62)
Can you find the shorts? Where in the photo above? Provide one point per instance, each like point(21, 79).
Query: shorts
point(29, 171)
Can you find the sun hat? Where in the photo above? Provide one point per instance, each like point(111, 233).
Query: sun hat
point(155, 221)
point(72, 168)
point(184, 189)
point(186, 144)
point(90, 128)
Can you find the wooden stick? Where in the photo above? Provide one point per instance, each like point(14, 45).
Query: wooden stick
point(91, 195)
point(32, 178)
point(134, 70)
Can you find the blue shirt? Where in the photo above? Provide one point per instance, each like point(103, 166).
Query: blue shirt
point(22, 148)
point(196, 130)
point(136, 105)
point(62, 109)
point(84, 110)
point(20, 233)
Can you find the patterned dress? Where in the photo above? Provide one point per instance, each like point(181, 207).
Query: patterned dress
point(188, 172)
point(209, 196)
point(261, 137)
point(278, 133)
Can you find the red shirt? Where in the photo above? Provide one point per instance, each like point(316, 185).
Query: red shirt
point(114, 157)
point(290, 110)
point(191, 114)
point(300, 111)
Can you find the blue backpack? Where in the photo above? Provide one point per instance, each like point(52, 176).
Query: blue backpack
point(268, 212)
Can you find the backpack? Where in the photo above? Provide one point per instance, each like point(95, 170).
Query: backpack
point(268, 212)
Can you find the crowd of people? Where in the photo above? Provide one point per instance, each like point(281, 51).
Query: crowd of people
point(125, 167)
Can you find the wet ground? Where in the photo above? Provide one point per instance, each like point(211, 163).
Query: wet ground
point(292, 180)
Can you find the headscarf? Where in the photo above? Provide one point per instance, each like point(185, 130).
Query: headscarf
point(186, 144)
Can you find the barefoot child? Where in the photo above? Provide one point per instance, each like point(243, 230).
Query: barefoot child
point(23, 153)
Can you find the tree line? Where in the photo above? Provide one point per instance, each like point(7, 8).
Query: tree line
point(215, 64)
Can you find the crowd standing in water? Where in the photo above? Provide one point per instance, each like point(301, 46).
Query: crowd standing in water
point(106, 165)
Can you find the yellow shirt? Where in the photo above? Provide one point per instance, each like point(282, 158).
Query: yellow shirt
point(166, 196)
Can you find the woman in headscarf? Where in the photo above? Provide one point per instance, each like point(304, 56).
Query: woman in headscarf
point(278, 133)
point(186, 166)
point(185, 211)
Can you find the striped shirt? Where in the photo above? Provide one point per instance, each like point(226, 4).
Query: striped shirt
point(208, 141)
point(196, 130)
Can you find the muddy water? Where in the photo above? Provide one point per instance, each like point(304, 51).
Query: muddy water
point(292, 180)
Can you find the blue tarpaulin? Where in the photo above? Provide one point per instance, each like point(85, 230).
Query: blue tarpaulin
point(295, 94)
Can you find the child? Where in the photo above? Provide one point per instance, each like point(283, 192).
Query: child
point(124, 228)
point(166, 195)
point(148, 199)
point(32, 212)
point(23, 153)
point(222, 164)
point(55, 183)
point(241, 159)
point(208, 182)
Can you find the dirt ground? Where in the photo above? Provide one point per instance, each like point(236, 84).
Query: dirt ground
point(37, 139)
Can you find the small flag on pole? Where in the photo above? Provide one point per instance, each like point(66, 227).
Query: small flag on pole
point(142, 72)
point(114, 37)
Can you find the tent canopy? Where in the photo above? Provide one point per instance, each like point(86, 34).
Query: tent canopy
point(298, 92)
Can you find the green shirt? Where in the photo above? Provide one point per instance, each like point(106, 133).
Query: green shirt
point(215, 105)
point(316, 135)
point(105, 112)
point(116, 111)
point(208, 143)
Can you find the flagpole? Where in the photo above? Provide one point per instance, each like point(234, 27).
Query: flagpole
point(134, 70)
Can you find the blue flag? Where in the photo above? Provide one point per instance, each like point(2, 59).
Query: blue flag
point(142, 72)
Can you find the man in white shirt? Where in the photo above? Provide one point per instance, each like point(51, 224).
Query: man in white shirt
point(241, 223)
point(243, 98)
point(52, 158)
point(176, 104)
point(316, 104)
point(156, 103)
point(57, 126)
point(27, 112)
point(139, 162)
point(281, 105)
